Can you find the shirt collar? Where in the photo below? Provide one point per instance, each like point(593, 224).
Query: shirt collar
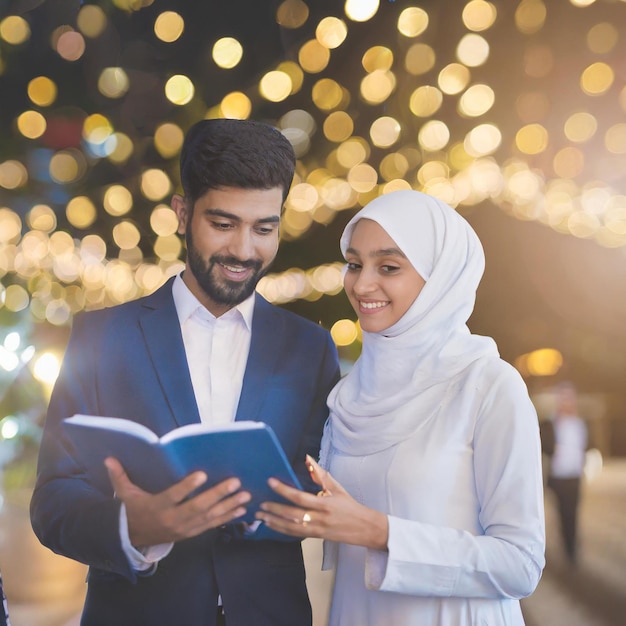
point(186, 304)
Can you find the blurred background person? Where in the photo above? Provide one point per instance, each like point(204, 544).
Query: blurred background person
point(565, 440)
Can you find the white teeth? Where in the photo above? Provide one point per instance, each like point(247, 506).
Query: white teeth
point(373, 305)
point(230, 268)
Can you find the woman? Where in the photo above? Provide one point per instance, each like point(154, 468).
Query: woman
point(434, 507)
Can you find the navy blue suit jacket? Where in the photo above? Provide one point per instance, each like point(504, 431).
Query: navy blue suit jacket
point(129, 361)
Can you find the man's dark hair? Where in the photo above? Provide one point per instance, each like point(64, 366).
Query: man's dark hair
point(235, 153)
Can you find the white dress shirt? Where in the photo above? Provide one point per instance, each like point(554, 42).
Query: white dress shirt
point(217, 351)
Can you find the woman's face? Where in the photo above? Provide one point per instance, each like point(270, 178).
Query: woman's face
point(380, 282)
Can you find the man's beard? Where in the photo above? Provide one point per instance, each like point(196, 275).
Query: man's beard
point(222, 291)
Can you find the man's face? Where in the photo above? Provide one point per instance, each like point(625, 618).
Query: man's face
point(232, 238)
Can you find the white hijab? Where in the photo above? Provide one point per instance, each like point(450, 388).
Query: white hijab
point(404, 372)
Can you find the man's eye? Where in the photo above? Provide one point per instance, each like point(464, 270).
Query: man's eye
point(222, 225)
point(265, 230)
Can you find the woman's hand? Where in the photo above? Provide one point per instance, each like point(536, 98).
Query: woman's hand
point(333, 514)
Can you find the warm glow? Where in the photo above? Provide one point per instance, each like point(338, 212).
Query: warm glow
point(394, 166)
point(362, 178)
point(179, 90)
point(425, 101)
point(42, 218)
point(313, 57)
point(295, 73)
point(91, 20)
point(155, 184)
point(327, 94)
point(482, 140)
point(385, 131)
point(169, 26)
point(361, 10)
point(602, 38)
point(353, 152)
point(530, 16)
point(377, 86)
point(71, 45)
point(543, 362)
point(479, 15)
point(569, 162)
point(615, 139)
point(46, 368)
point(227, 52)
point(580, 127)
point(81, 212)
point(13, 174)
point(113, 82)
point(473, 50)
point(413, 22)
point(453, 78)
point(518, 107)
point(532, 139)
point(168, 139)
point(292, 13)
point(434, 135)
point(597, 79)
point(122, 148)
point(344, 332)
point(42, 91)
point(420, 58)
point(66, 166)
point(236, 105)
point(126, 235)
point(377, 58)
point(31, 124)
point(10, 226)
point(14, 30)
point(275, 86)
point(117, 200)
point(163, 221)
point(338, 126)
point(331, 32)
point(476, 101)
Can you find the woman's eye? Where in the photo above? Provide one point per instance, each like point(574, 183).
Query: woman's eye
point(353, 267)
point(389, 269)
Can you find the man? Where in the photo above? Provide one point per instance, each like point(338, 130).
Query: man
point(565, 440)
point(204, 347)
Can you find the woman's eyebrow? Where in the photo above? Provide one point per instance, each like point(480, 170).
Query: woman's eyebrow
point(381, 252)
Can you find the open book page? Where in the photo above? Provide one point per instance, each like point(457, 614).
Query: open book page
point(198, 429)
point(143, 432)
point(115, 423)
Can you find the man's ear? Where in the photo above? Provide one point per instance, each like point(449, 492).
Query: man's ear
point(179, 206)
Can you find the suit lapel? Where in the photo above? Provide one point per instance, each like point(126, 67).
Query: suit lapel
point(164, 342)
point(264, 351)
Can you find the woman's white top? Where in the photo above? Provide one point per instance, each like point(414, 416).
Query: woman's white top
point(465, 507)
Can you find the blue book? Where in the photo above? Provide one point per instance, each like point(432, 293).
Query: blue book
point(247, 450)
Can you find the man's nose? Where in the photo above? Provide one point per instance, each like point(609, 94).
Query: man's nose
point(241, 245)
